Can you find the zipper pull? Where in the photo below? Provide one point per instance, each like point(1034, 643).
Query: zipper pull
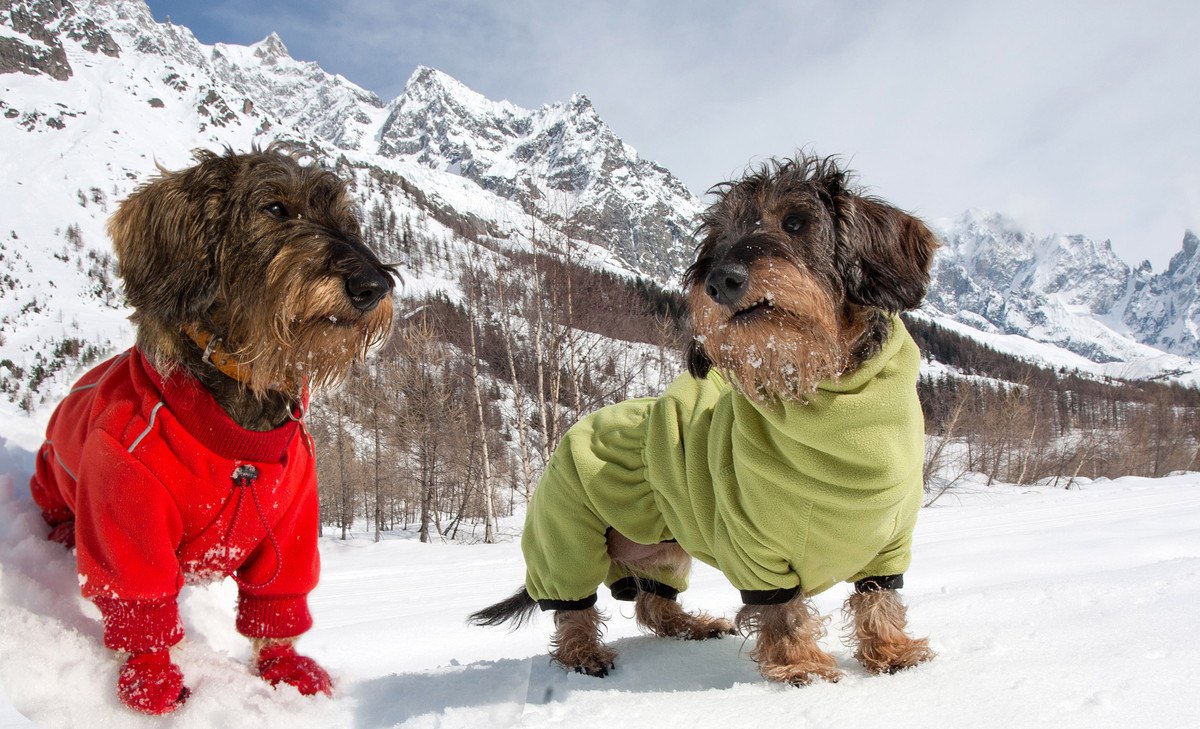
point(244, 475)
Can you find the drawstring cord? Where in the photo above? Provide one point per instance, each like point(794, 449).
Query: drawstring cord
point(244, 477)
point(238, 484)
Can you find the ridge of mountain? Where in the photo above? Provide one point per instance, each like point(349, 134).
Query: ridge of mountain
point(1067, 290)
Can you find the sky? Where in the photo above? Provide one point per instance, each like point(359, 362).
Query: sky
point(1069, 116)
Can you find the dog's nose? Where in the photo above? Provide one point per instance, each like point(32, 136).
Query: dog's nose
point(727, 283)
point(366, 288)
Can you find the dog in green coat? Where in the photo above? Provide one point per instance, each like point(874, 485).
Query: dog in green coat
point(789, 457)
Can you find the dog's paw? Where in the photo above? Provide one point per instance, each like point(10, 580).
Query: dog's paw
point(707, 627)
point(666, 619)
point(281, 664)
point(880, 658)
point(597, 661)
point(151, 684)
point(597, 669)
point(802, 674)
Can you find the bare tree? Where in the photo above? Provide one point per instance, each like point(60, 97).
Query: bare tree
point(370, 391)
point(489, 515)
point(429, 411)
point(934, 470)
point(521, 424)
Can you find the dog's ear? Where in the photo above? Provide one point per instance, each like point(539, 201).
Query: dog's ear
point(698, 363)
point(165, 236)
point(884, 254)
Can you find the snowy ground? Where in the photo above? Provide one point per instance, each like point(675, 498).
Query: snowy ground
point(1048, 608)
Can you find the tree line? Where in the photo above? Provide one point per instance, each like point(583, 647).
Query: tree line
point(449, 425)
point(1020, 423)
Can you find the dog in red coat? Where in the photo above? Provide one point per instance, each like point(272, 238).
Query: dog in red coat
point(185, 458)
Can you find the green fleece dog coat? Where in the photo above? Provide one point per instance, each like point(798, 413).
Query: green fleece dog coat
point(783, 497)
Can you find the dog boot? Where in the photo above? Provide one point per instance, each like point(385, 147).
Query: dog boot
point(64, 534)
point(281, 664)
point(150, 683)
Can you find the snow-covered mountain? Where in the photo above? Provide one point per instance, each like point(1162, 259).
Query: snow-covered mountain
point(95, 93)
point(561, 161)
point(1066, 290)
point(1164, 309)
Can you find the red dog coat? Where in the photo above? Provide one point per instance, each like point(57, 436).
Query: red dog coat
point(164, 488)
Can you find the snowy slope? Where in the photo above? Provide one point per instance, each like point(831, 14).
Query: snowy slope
point(1049, 608)
point(104, 93)
point(1151, 365)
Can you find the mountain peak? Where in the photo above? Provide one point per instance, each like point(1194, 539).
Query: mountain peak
point(427, 84)
point(1185, 258)
point(427, 77)
point(981, 219)
point(270, 47)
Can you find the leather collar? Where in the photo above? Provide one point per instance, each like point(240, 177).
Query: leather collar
point(216, 355)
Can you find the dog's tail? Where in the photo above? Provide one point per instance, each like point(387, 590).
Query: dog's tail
point(516, 609)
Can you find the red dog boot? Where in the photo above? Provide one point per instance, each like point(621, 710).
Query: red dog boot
point(150, 683)
point(280, 663)
point(64, 534)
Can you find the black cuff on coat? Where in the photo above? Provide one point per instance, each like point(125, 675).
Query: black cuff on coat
point(583, 604)
point(882, 582)
point(778, 596)
point(627, 588)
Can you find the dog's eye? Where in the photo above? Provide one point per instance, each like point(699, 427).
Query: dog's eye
point(794, 223)
point(277, 210)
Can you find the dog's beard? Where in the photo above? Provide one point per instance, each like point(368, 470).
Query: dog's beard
point(785, 347)
point(309, 336)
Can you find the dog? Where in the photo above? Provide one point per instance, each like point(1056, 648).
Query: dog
point(789, 456)
point(185, 458)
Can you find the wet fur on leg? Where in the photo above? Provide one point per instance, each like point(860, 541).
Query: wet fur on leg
point(787, 649)
point(667, 619)
point(576, 644)
point(878, 625)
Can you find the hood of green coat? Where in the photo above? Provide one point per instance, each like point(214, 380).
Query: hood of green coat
point(862, 431)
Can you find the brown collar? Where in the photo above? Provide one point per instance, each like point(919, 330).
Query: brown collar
point(216, 355)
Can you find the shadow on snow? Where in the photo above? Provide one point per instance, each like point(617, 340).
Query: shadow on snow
point(644, 665)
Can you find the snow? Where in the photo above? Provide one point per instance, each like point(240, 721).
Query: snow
point(102, 131)
point(7, 32)
point(1160, 366)
point(1063, 608)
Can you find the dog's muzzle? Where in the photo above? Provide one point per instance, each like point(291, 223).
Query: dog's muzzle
point(366, 288)
point(727, 282)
